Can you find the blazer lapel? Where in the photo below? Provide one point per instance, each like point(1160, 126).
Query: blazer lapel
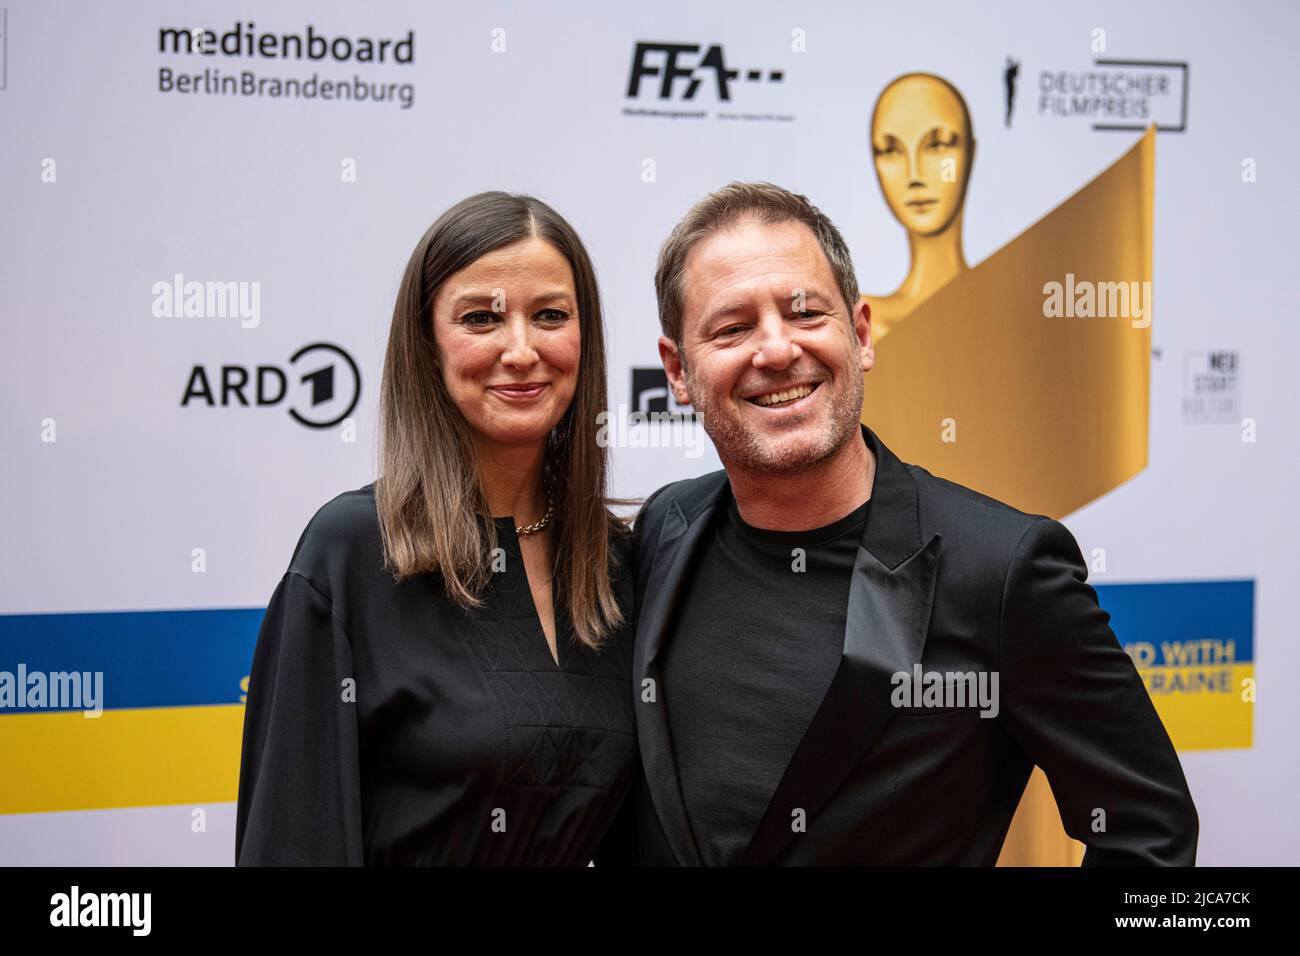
point(890, 600)
point(677, 544)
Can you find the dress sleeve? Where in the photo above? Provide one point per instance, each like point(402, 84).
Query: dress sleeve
point(299, 778)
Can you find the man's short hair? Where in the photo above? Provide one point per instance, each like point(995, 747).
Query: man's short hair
point(763, 202)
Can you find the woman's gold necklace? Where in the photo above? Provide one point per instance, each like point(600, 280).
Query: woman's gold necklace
point(538, 525)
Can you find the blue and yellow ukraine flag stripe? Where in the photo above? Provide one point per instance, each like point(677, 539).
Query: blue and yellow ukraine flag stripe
point(174, 681)
point(172, 720)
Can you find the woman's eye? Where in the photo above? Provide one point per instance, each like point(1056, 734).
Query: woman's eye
point(478, 319)
point(553, 315)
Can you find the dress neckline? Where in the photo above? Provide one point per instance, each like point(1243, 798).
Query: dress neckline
point(521, 594)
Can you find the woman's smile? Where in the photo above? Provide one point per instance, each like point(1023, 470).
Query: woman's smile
point(520, 392)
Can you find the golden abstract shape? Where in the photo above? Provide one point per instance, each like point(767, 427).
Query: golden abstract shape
point(1046, 412)
point(1036, 837)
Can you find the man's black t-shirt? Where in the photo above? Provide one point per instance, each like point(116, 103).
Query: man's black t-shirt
point(757, 639)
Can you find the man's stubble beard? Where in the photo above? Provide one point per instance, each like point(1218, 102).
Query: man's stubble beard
point(738, 448)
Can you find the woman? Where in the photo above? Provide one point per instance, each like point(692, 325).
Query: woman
point(442, 675)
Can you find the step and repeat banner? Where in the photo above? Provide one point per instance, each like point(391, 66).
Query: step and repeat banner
point(207, 208)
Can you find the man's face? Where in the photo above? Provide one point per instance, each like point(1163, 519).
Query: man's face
point(771, 357)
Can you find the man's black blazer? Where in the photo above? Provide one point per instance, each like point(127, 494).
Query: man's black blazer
point(958, 582)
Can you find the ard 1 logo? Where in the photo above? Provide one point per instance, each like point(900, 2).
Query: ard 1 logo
point(318, 394)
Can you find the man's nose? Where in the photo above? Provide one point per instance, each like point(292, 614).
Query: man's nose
point(776, 349)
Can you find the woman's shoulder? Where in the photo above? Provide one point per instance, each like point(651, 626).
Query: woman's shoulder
point(342, 534)
point(347, 513)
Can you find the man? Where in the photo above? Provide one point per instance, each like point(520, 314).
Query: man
point(840, 657)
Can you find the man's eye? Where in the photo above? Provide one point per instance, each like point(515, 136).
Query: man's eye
point(807, 314)
point(731, 330)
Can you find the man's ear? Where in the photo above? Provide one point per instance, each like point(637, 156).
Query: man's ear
point(862, 329)
point(672, 360)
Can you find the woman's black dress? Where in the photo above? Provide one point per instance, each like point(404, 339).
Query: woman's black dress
point(385, 725)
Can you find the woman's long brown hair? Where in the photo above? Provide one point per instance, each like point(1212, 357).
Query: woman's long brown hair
point(433, 514)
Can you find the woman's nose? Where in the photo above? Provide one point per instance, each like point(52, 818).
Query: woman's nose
point(519, 351)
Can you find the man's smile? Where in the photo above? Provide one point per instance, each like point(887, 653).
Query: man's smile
point(784, 397)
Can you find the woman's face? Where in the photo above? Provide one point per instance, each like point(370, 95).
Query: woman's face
point(922, 150)
point(507, 331)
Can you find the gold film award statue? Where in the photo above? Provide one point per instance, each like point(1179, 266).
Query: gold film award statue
point(923, 146)
point(1027, 376)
